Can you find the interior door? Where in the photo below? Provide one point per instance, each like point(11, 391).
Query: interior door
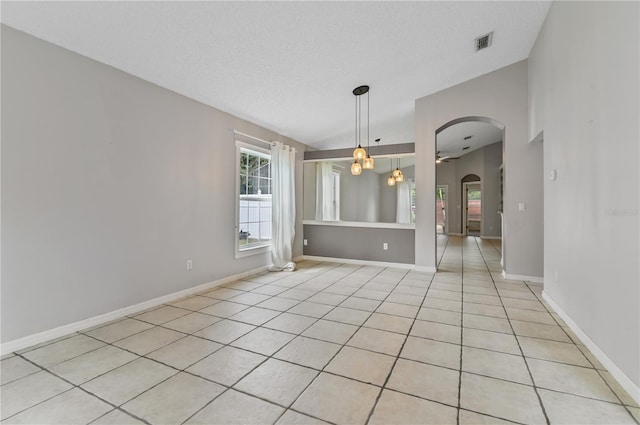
point(473, 209)
point(441, 210)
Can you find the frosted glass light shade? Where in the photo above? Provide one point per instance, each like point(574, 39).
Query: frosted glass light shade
point(391, 181)
point(356, 168)
point(400, 178)
point(396, 172)
point(367, 163)
point(359, 153)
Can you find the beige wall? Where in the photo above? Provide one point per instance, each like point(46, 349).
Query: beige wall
point(109, 184)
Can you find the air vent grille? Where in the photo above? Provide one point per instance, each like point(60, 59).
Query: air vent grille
point(484, 41)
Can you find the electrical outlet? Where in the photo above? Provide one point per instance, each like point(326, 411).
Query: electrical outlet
point(385, 246)
point(522, 206)
point(189, 264)
point(305, 242)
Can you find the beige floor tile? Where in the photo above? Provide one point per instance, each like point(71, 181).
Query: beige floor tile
point(376, 340)
point(269, 290)
point(365, 366)
point(523, 304)
point(539, 330)
point(347, 315)
point(87, 366)
point(149, 340)
point(442, 304)
point(389, 323)
point(403, 310)
point(437, 331)
point(407, 289)
point(249, 298)
point(486, 323)
point(226, 365)
point(29, 391)
point(340, 289)
point(326, 330)
point(72, 407)
point(530, 316)
point(308, 352)
point(444, 294)
point(294, 418)
point(255, 315)
point(473, 418)
point(277, 381)
point(117, 417)
point(552, 350)
point(162, 315)
point(592, 359)
point(360, 303)
point(225, 331)
point(310, 309)
point(371, 294)
point(499, 398)
point(174, 400)
point(481, 290)
point(224, 309)
point(497, 365)
point(408, 299)
point(15, 367)
point(485, 310)
point(233, 407)
point(440, 316)
point(397, 408)
point(191, 322)
point(635, 412)
point(506, 293)
point(184, 352)
point(263, 341)
point(297, 294)
point(570, 379)
point(222, 293)
point(326, 298)
point(490, 340)
point(569, 409)
point(433, 352)
point(482, 299)
point(194, 303)
point(60, 351)
point(119, 330)
point(122, 384)
point(350, 405)
point(278, 303)
point(410, 377)
point(292, 323)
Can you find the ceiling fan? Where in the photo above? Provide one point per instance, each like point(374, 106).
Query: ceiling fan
point(447, 158)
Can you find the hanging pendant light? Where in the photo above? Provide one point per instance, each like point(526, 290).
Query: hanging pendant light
point(356, 168)
point(359, 153)
point(367, 164)
point(391, 181)
point(397, 173)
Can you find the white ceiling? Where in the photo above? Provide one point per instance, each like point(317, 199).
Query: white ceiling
point(291, 66)
point(450, 141)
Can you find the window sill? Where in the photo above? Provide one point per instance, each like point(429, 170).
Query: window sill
point(261, 249)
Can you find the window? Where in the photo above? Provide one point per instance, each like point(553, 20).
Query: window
point(254, 199)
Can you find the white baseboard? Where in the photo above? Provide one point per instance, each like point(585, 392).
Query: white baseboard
point(618, 375)
point(361, 262)
point(30, 340)
point(496, 238)
point(534, 279)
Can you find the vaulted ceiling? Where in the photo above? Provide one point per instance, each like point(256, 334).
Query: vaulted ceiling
point(291, 66)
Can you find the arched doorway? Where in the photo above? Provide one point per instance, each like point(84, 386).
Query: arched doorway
point(469, 170)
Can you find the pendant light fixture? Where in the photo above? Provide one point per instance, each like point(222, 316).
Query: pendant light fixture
point(391, 181)
point(367, 163)
point(397, 173)
point(359, 154)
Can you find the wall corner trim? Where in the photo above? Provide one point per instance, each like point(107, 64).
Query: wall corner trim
point(359, 262)
point(618, 375)
point(30, 340)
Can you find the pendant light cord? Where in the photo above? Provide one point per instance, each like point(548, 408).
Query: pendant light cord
point(368, 138)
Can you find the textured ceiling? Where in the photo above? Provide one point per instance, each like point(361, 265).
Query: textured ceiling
point(450, 141)
point(291, 66)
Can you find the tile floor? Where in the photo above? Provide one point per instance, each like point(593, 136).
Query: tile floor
point(329, 343)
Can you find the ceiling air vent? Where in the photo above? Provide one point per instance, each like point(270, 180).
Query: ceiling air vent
point(483, 41)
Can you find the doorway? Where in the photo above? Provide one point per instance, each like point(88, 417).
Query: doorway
point(472, 212)
point(441, 210)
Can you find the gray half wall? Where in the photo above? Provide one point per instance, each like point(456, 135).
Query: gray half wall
point(360, 243)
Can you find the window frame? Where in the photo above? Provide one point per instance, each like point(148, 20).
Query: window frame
point(258, 248)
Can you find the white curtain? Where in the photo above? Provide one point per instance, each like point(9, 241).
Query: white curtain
point(403, 209)
point(324, 191)
point(283, 209)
